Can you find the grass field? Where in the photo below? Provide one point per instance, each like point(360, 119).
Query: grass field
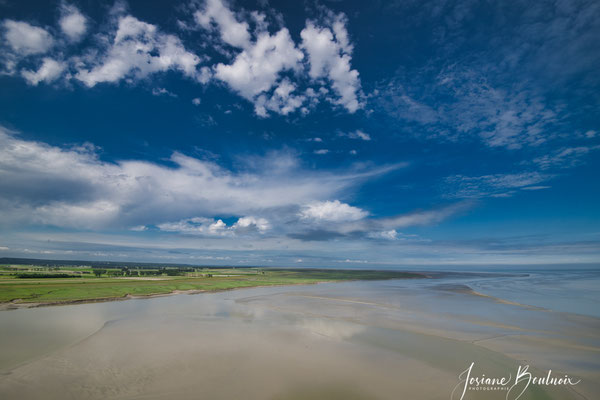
point(41, 287)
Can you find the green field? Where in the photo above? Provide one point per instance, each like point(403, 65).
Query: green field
point(55, 285)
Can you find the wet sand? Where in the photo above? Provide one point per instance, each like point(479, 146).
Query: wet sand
point(354, 340)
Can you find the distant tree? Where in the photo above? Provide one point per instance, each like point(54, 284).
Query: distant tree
point(99, 272)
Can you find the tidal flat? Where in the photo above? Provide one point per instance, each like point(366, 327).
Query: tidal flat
point(350, 340)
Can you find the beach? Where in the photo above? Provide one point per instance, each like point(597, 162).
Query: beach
point(350, 340)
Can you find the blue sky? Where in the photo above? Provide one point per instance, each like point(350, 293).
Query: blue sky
point(316, 133)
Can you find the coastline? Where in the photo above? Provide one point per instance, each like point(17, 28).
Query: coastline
point(8, 306)
point(410, 327)
point(12, 305)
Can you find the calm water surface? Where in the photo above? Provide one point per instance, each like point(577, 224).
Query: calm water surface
point(353, 340)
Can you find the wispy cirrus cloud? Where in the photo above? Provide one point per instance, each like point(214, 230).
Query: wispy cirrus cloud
point(496, 81)
point(462, 104)
point(566, 157)
point(496, 185)
point(357, 134)
point(72, 187)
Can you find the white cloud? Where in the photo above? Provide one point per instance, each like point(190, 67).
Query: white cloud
point(497, 185)
point(357, 134)
point(138, 49)
point(249, 224)
point(328, 221)
point(49, 71)
point(463, 102)
point(386, 235)
point(196, 101)
point(331, 211)
point(535, 187)
point(26, 39)
point(393, 234)
point(258, 68)
point(321, 151)
point(197, 226)
point(329, 53)
point(232, 31)
point(256, 72)
point(416, 218)
point(139, 228)
point(567, 157)
point(216, 227)
point(72, 23)
point(162, 92)
point(262, 63)
point(72, 187)
point(282, 101)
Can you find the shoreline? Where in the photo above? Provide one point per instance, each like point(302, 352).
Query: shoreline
point(11, 305)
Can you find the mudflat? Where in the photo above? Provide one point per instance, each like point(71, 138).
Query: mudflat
point(353, 340)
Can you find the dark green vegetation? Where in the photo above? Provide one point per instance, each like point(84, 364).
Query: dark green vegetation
point(49, 276)
point(53, 284)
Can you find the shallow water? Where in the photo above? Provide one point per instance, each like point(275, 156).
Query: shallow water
point(353, 340)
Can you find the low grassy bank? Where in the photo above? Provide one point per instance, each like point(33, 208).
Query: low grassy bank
point(55, 285)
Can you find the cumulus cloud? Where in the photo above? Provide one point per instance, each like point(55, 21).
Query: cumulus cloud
point(162, 92)
point(72, 23)
point(329, 52)
point(260, 60)
point(358, 224)
point(282, 101)
point(251, 224)
point(138, 49)
point(49, 71)
point(256, 72)
point(197, 226)
point(72, 187)
point(257, 69)
point(231, 31)
point(26, 39)
point(332, 211)
point(216, 227)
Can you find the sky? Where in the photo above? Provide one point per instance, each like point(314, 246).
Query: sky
point(346, 134)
